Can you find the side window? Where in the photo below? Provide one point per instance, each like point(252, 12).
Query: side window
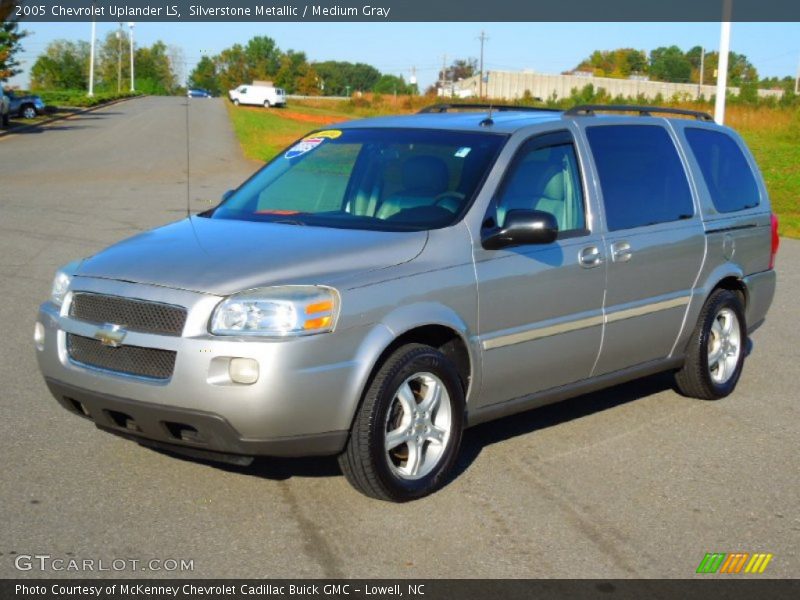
point(546, 179)
point(728, 177)
point(641, 175)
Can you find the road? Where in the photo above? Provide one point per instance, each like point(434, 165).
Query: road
point(636, 481)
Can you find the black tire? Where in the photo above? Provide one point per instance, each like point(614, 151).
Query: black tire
point(694, 378)
point(6, 121)
point(267, 104)
point(236, 102)
point(27, 111)
point(365, 462)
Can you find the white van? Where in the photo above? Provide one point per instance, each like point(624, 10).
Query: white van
point(260, 95)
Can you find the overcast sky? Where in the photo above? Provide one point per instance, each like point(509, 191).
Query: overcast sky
point(774, 48)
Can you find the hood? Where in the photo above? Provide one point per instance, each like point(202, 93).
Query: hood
point(222, 257)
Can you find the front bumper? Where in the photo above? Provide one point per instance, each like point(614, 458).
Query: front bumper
point(185, 431)
point(302, 404)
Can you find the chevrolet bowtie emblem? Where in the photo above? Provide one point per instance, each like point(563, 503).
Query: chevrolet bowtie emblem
point(111, 335)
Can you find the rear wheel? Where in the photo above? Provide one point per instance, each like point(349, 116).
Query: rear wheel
point(407, 432)
point(716, 352)
point(267, 104)
point(28, 112)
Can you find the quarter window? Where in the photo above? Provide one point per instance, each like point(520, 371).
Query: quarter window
point(641, 175)
point(546, 179)
point(728, 177)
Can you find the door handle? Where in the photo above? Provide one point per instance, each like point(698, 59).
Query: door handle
point(590, 257)
point(621, 252)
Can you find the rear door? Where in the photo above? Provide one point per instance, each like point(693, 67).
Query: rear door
point(540, 306)
point(654, 241)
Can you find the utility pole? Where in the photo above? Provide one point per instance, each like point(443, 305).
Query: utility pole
point(133, 86)
point(91, 60)
point(444, 73)
point(413, 80)
point(722, 69)
point(702, 72)
point(483, 39)
point(797, 80)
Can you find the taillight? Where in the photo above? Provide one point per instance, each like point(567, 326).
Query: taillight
point(776, 241)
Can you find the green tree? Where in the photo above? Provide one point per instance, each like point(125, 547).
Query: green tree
point(204, 75)
point(64, 65)
point(670, 64)
point(10, 43)
point(154, 70)
point(392, 84)
point(291, 69)
point(342, 78)
point(113, 65)
point(233, 67)
point(263, 57)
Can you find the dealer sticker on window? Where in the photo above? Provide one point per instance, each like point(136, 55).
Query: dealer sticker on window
point(312, 141)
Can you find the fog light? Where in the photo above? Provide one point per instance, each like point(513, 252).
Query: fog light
point(243, 370)
point(38, 336)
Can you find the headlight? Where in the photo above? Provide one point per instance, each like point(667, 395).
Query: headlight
point(277, 312)
point(60, 287)
point(62, 281)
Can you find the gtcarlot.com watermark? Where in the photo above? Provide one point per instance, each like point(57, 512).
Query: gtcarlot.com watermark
point(56, 564)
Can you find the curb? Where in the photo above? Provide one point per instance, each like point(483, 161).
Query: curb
point(9, 132)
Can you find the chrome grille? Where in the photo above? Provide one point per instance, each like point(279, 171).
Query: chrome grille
point(131, 314)
point(131, 360)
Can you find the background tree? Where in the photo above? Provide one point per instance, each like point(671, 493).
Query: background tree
point(10, 43)
point(263, 57)
point(154, 70)
point(392, 84)
point(205, 76)
point(64, 65)
point(291, 69)
point(233, 67)
point(342, 78)
point(670, 64)
point(113, 66)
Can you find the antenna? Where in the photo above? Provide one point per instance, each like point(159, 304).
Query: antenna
point(188, 163)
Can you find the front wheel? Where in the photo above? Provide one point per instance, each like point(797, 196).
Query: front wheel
point(6, 121)
point(407, 432)
point(28, 112)
point(236, 102)
point(715, 356)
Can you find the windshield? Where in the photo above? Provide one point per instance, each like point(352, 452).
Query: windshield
point(381, 179)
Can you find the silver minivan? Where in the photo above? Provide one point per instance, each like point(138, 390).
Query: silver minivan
point(382, 285)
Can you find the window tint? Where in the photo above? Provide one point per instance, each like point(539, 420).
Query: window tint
point(725, 170)
point(545, 179)
point(641, 175)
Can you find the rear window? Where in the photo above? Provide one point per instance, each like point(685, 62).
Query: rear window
point(641, 175)
point(727, 174)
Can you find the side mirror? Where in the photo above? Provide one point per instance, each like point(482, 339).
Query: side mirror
point(522, 227)
point(226, 195)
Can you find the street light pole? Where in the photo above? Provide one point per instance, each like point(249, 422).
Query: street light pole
point(91, 60)
point(722, 68)
point(133, 86)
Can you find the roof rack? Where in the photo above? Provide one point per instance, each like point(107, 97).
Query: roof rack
point(443, 108)
point(588, 110)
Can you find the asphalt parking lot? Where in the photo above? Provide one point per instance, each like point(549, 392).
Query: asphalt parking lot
point(635, 481)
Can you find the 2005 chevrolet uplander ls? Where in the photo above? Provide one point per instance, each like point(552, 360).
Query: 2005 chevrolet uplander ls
point(380, 286)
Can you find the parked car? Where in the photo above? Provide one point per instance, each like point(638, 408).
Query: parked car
point(26, 106)
point(199, 93)
point(380, 286)
point(4, 107)
point(258, 95)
